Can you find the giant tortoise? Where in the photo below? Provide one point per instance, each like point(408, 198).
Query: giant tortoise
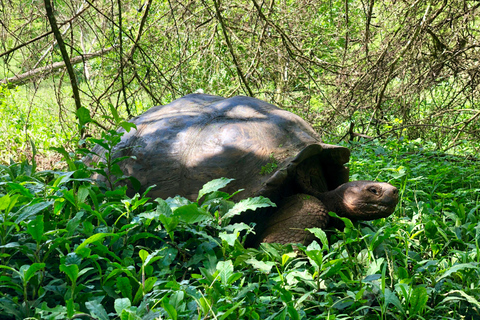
point(268, 151)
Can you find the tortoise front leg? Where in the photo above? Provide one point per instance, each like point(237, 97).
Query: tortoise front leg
point(294, 214)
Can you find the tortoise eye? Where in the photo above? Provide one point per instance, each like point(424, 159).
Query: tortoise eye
point(373, 190)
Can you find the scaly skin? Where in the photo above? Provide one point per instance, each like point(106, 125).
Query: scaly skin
point(357, 200)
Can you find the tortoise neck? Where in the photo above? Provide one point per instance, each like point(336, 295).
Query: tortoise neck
point(333, 201)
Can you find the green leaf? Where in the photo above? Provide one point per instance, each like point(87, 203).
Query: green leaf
point(315, 254)
point(97, 310)
point(265, 267)
point(30, 210)
point(320, 234)
point(169, 308)
point(168, 223)
point(30, 271)
point(127, 125)
point(5, 202)
point(36, 228)
point(229, 311)
point(152, 257)
point(213, 186)
point(331, 268)
point(163, 207)
point(82, 193)
point(293, 313)
point(456, 268)
point(467, 297)
point(225, 269)
point(114, 113)
point(229, 238)
point(121, 304)
point(249, 204)
point(83, 116)
point(348, 222)
point(92, 239)
point(418, 300)
point(15, 187)
point(70, 308)
point(71, 271)
point(191, 213)
point(143, 255)
point(391, 298)
point(149, 283)
point(125, 287)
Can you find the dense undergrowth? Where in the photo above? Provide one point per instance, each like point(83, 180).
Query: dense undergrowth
point(70, 249)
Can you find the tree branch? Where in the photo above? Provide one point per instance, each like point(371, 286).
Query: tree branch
point(227, 40)
point(66, 59)
point(30, 75)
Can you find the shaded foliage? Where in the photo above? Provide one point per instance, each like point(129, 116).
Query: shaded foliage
point(70, 250)
point(376, 68)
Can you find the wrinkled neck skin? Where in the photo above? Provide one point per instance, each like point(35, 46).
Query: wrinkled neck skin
point(333, 201)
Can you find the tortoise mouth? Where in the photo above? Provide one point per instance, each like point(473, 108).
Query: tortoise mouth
point(369, 211)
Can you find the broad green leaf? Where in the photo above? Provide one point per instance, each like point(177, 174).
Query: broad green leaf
point(348, 222)
point(5, 202)
point(152, 257)
point(316, 258)
point(375, 266)
point(83, 116)
point(31, 270)
point(82, 194)
point(320, 234)
point(69, 196)
point(163, 207)
point(191, 214)
point(71, 271)
point(130, 314)
point(249, 204)
point(293, 313)
point(127, 125)
point(418, 300)
point(70, 308)
point(235, 230)
point(149, 283)
point(36, 228)
point(97, 310)
point(225, 269)
point(456, 268)
point(265, 267)
point(15, 187)
point(92, 239)
point(143, 255)
point(168, 223)
point(287, 256)
point(170, 309)
point(121, 304)
point(229, 238)
point(30, 210)
point(125, 287)
point(213, 186)
point(331, 268)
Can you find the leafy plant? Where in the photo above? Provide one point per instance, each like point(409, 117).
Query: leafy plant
point(70, 249)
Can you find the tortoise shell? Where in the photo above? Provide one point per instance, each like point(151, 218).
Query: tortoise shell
point(197, 138)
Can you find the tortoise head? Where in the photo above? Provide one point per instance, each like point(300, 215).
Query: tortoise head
point(362, 200)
